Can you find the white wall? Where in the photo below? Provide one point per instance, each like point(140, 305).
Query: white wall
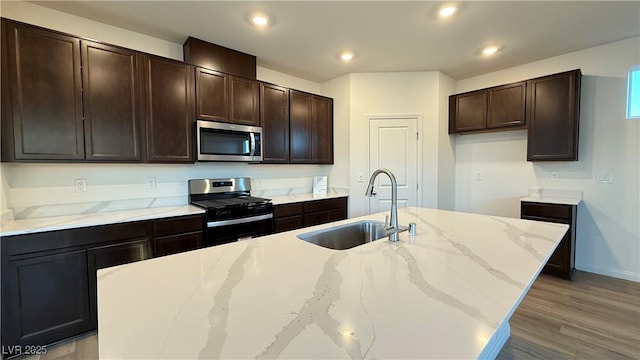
point(27, 185)
point(392, 93)
point(338, 89)
point(608, 229)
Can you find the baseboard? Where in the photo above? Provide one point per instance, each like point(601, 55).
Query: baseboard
point(616, 273)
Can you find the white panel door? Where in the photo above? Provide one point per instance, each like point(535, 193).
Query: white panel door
point(393, 144)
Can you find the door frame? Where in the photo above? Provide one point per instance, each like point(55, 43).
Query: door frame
point(419, 127)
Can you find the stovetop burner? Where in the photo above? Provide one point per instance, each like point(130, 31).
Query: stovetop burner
point(229, 202)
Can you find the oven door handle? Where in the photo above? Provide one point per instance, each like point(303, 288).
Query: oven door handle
point(213, 224)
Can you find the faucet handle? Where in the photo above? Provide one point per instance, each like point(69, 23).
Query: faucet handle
point(386, 221)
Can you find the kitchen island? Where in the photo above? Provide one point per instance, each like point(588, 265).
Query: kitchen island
point(446, 292)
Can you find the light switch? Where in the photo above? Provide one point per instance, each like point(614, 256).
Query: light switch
point(479, 176)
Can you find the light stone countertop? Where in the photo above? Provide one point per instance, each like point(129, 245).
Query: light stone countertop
point(294, 198)
point(552, 200)
point(51, 223)
point(554, 196)
point(447, 292)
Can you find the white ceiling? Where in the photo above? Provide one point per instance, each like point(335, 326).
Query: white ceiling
point(385, 35)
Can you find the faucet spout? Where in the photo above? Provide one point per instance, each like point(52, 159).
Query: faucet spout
point(393, 236)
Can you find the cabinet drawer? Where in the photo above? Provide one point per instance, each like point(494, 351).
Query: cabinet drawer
point(179, 225)
point(336, 214)
point(53, 240)
point(322, 205)
point(316, 218)
point(287, 210)
point(177, 243)
point(556, 211)
point(288, 223)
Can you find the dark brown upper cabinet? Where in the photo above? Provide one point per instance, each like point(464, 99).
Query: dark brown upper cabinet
point(42, 116)
point(311, 126)
point(169, 110)
point(321, 130)
point(468, 112)
point(244, 101)
point(212, 95)
point(274, 113)
point(111, 107)
point(496, 108)
point(227, 98)
point(300, 127)
point(506, 106)
point(553, 111)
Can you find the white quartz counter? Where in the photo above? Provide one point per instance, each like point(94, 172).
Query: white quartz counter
point(447, 292)
point(554, 196)
point(34, 225)
point(552, 200)
point(294, 198)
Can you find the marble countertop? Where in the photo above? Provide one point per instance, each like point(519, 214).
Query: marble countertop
point(554, 196)
point(294, 198)
point(552, 200)
point(68, 216)
point(447, 292)
point(51, 223)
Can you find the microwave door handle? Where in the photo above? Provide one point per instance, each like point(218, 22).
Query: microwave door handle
point(253, 144)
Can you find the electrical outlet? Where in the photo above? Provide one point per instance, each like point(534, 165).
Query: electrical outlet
point(478, 176)
point(360, 176)
point(604, 178)
point(555, 176)
point(261, 178)
point(80, 185)
point(151, 183)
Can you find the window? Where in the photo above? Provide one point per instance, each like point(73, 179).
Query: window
point(633, 93)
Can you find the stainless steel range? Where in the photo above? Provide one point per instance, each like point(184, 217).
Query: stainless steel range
point(232, 213)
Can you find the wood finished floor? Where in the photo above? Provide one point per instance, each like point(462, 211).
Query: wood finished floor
point(593, 317)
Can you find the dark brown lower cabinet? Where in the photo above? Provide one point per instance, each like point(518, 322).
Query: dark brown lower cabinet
point(45, 298)
point(112, 255)
point(562, 261)
point(309, 213)
point(288, 217)
point(176, 235)
point(49, 283)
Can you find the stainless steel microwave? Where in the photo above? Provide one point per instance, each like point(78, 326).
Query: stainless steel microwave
point(228, 142)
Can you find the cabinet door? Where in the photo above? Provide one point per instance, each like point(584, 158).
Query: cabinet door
point(45, 95)
point(506, 105)
point(243, 101)
point(468, 111)
point(45, 299)
point(288, 223)
point(111, 107)
point(321, 130)
point(274, 113)
point(112, 255)
point(169, 108)
point(212, 89)
point(553, 111)
point(300, 127)
point(562, 261)
point(316, 218)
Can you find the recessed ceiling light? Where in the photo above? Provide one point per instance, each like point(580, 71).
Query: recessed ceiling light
point(490, 50)
point(346, 56)
point(260, 20)
point(447, 11)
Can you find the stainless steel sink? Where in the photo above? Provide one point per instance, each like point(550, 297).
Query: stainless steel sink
point(347, 236)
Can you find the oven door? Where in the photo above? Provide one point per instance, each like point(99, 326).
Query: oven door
point(228, 142)
point(226, 231)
